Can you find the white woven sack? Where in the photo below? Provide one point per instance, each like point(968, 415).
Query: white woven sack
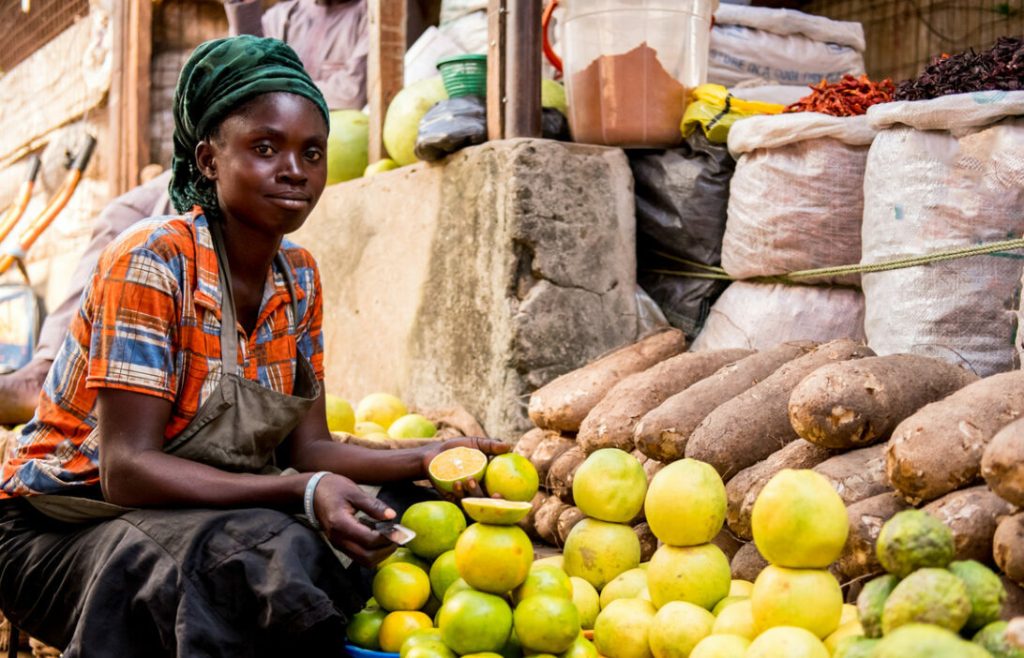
point(796, 199)
point(760, 315)
point(781, 46)
point(946, 173)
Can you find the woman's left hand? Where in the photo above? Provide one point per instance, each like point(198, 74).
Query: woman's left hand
point(470, 488)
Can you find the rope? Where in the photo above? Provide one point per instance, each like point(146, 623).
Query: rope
point(800, 277)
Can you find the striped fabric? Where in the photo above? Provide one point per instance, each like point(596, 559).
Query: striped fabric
point(150, 323)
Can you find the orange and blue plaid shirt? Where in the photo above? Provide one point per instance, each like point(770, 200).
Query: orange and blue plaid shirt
point(149, 323)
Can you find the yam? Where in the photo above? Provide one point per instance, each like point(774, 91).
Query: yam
point(529, 522)
point(563, 403)
point(747, 563)
point(1008, 547)
point(728, 542)
point(547, 451)
point(652, 467)
point(1002, 464)
point(663, 432)
point(562, 471)
point(856, 475)
point(610, 424)
point(972, 514)
point(1013, 606)
point(854, 404)
point(743, 489)
point(648, 542)
point(938, 449)
point(546, 521)
point(866, 517)
point(567, 520)
point(755, 423)
point(528, 442)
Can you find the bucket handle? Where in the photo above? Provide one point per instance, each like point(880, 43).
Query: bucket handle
point(545, 22)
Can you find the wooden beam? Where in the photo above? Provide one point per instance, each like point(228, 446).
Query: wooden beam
point(496, 12)
point(387, 25)
point(522, 69)
point(129, 95)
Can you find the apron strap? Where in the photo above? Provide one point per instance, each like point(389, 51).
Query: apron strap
point(229, 328)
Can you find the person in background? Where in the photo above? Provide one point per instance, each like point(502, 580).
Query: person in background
point(330, 36)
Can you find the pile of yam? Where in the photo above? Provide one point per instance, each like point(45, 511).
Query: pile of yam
point(887, 432)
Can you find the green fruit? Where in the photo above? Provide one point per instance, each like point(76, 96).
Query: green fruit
point(472, 622)
point(412, 426)
point(365, 626)
point(855, 647)
point(552, 94)
point(544, 579)
point(992, 638)
point(546, 623)
point(443, 573)
point(913, 540)
point(923, 641)
point(494, 511)
point(587, 602)
point(581, 648)
point(984, 590)
point(927, 596)
point(437, 525)
point(340, 415)
point(512, 477)
point(347, 145)
point(871, 602)
point(380, 166)
point(627, 585)
point(457, 586)
point(610, 486)
point(402, 121)
point(427, 637)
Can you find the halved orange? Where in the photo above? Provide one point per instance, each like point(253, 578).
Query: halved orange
point(494, 511)
point(456, 465)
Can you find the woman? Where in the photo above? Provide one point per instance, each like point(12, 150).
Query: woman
point(145, 513)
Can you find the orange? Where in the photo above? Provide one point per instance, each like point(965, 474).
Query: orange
point(380, 408)
point(494, 558)
point(398, 626)
point(437, 524)
point(610, 486)
point(401, 586)
point(443, 573)
point(546, 624)
point(512, 477)
point(473, 622)
point(365, 627)
point(456, 465)
point(494, 511)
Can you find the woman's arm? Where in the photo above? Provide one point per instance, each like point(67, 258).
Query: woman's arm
point(136, 472)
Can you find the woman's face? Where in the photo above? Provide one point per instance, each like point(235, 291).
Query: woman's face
point(269, 162)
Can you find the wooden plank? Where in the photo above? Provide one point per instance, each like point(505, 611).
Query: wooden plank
point(496, 12)
point(387, 25)
point(129, 148)
point(522, 69)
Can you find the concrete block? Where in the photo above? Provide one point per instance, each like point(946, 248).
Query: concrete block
point(476, 280)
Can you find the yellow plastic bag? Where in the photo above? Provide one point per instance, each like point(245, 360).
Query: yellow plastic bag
point(714, 109)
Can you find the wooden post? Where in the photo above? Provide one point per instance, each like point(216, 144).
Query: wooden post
point(129, 94)
point(496, 13)
point(522, 69)
point(384, 66)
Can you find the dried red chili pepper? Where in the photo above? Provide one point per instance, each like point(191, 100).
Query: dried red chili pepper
point(848, 97)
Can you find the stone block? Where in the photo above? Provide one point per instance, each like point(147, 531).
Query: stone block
point(476, 280)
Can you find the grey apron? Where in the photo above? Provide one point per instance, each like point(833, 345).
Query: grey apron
point(238, 428)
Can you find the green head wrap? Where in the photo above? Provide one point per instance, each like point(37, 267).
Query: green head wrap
point(220, 76)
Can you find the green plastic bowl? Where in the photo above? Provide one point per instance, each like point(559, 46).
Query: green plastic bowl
point(464, 75)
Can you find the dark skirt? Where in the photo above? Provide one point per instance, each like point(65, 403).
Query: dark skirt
point(184, 583)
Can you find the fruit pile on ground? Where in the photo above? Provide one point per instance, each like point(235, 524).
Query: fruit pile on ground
point(928, 604)
point(377, 416)
point(460, 589)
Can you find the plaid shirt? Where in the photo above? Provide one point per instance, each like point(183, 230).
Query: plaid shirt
point(150, 323)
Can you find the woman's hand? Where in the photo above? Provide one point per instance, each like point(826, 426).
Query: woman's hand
point(336, 502)
point(469, 488)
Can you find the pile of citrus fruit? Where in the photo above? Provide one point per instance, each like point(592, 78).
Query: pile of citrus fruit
point(475, 590)
point(377, 416)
